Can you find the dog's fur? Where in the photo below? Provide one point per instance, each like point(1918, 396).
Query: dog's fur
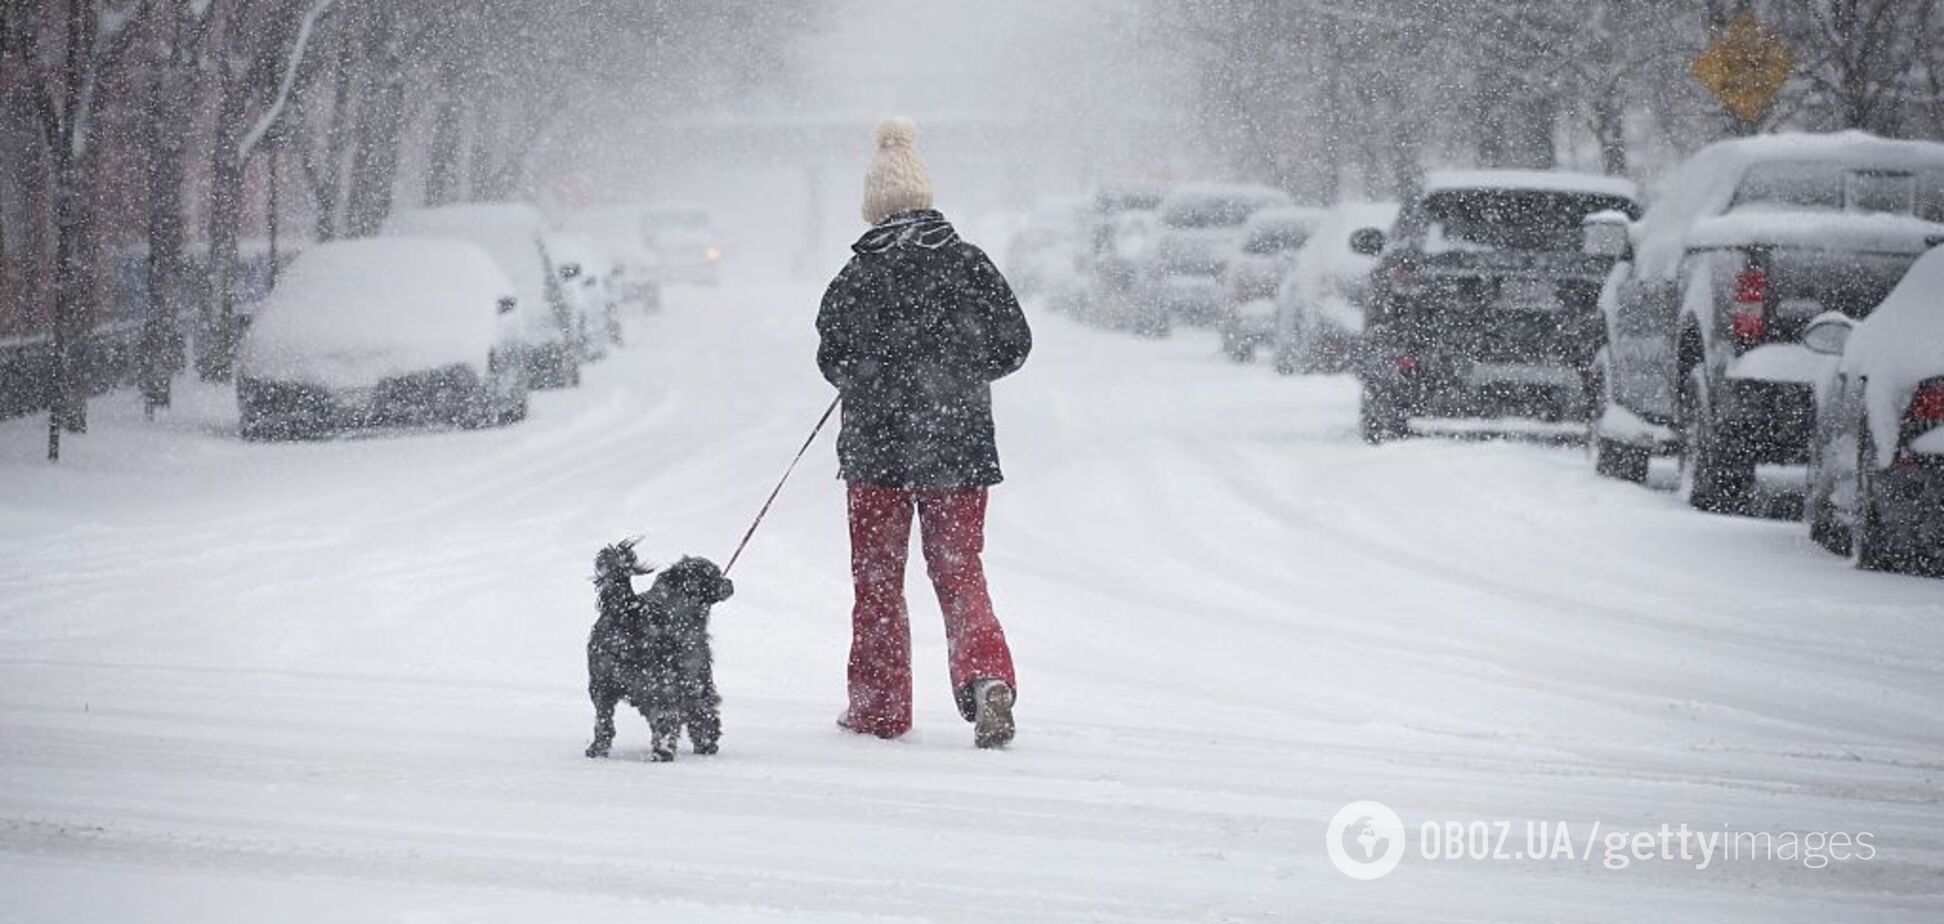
point(653, 651)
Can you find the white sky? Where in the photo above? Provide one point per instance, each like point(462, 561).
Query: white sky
point(937, 57)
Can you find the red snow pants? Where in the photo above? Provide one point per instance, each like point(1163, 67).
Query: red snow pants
point(952, 525)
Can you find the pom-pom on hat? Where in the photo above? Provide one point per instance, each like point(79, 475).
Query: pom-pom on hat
point(897, 181)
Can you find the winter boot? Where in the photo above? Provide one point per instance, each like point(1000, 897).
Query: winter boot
point(992, 717)
point(855, 727)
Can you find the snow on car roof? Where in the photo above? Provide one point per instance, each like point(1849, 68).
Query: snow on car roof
point(1704, 185)
point(508, 231)
point(1109, 198)
point(1217, 204)
point(1536, 180)
point(1305, 217)
point(1897, 346)
point(1225, 192)
point(1849, 231)
point(350, 313)
point(1329, 247)
point(573, 247)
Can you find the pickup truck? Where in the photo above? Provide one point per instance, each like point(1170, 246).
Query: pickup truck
point(1712, 289)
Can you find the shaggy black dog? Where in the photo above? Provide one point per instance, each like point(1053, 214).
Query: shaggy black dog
point(653, 651)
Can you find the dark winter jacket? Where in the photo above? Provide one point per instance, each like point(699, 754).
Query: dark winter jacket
point(913, 332)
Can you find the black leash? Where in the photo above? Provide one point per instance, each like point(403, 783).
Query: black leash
point(832, 409)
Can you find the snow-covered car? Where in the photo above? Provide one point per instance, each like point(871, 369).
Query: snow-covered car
point(1750, 240)
point(1115, 296)
point(1876, 461)
point(379, 331)
point(1484, 302)
point(1044, 261)
point(621, 235)
point(1320, 304)
point(512, 234)
point(1201, 229)
point(1271, 239)
point(686, 246)
point(1121, 219)
point(582, 272)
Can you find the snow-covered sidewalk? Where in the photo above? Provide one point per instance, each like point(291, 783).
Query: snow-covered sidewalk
point(344, 680)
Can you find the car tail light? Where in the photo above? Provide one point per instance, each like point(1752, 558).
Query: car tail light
point(1924, 413)
point(1748, 315)
point(1751, 287)
point(1927, 405)
point(1407, 364)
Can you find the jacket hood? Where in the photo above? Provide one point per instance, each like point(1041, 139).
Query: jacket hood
point(925, 228)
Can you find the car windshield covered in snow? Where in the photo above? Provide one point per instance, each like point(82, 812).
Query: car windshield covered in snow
point(1280, 237)
point(1113, 200)
point(1510, 219)
point(1831, 186)
point(1215, 209)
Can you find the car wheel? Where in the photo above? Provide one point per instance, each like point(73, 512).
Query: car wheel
point(1611, 458)
point(1285, 363)
point(507, 392)
point(1818, 508)
point(1873, 548)
point(1238, 351)
point(1712, 479)
point(1822, 526)
point(1618, 460)
point(1155, 326)
point(1379, 415)
point(254, 429)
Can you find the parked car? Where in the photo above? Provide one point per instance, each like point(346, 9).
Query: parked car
point(1201, 229)
point(1115, 299)
point(380, 331)
point(512, 234)
point(1876, 461)
point(685, 243)
point(1108, 269)
point(1044, 261)
point(1753, 238)
point(621, 235)
point(582, 272)
point(1484, 302)
point(1270, 240)
point(1320, 303)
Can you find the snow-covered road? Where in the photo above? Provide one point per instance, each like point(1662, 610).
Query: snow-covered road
point(344, 680)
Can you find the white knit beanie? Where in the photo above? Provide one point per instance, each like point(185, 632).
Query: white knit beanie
point(897, 180)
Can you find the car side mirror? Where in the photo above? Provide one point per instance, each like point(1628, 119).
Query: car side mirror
point(569, 270)
point(1607, 235)
point(507, 303)
point(1828, 334)
point(1367, 242)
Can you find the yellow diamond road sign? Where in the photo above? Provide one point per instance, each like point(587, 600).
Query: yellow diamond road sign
point(1745, 66)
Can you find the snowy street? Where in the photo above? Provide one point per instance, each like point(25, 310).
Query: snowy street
point(344, 680)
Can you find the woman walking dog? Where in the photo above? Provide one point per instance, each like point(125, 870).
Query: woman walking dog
point(913, 332)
